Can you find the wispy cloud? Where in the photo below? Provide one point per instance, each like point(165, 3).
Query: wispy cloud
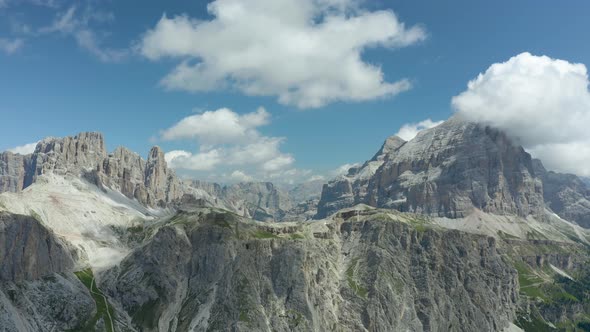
point(410, 130)
point(77, 24)
point(10, 46)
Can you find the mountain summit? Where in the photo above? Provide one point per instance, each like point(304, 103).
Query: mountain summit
point(151, 182)
point(452, 170)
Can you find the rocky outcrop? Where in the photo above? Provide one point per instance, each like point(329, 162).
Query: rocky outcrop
point(351, 189)
point(13, 172)
point(161, 182)
point(125, 171)
point(68, 154)
point(28, 251)
point(211, 271)
point(151, 182)
point(38, 291)
point(444, 171)
point(57, 302)
point(566, 194)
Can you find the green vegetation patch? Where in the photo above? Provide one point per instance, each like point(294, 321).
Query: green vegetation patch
point(506, 236)
point(103, 309)
point(180, 219)
point(262, 234)
point(295, 318)
point(297, 236)
point(36, 216)
point(352, 283)
point(533, 323)
point(245, 303)
point(420, 223)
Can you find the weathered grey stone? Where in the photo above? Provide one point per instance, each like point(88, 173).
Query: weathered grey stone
point(566, 194)
point(162, 184)
point(151, 182)
point(211, 271)
point(13, 171)
point(28, 250)
point(444, 171)
point(68, 154)
point(38, 291)
point(56, 302)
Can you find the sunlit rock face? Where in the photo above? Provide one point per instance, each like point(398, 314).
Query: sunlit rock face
point(446, 171)
point(211, 270)
point(13, 172)
point(151, 182)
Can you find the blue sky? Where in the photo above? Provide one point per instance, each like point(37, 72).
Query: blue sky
point(54, 83)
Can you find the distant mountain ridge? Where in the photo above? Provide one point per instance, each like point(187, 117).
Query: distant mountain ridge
point(262, 201)
point(150, 182)
point(452, 169)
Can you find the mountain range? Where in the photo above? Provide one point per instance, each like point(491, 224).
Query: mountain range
point(457, 229)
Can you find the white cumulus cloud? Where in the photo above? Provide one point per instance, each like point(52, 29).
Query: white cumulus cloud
point(308, 53)
point(202, 161)
point(410, 130)
point(239, 176)
point(220, 126)
point(228, 143)
point(542, 103)
point(24, 149)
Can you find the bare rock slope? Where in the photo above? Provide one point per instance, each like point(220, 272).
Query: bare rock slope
point(211, 270)
point(38, 291)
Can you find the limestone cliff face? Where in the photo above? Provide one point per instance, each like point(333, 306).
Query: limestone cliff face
point(38, 291)
point(566, 194)
point(68, 154)
point(124, 170)
point(151, 182)
point(13, 174)
point(352, 188)
point(209, 270)
point(28, 250)
point(444, 171)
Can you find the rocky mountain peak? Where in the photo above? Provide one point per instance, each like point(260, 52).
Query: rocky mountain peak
point(160, 180)
point(156, 155)
point(391, 144)
point(69, 154)
point(151, 182)
point(447, 171)
point(83, 143)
